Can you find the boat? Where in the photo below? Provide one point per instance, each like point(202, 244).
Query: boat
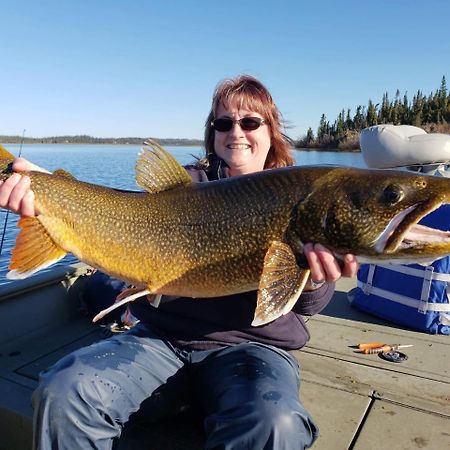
point(359, 401)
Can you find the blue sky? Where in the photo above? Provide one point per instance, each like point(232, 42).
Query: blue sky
point(114, 68)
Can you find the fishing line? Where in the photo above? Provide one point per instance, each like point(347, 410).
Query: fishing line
point(7, 211)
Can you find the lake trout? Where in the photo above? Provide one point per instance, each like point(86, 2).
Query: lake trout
point(224, 237)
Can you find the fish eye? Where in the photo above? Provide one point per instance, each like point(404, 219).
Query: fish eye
point(392, 194)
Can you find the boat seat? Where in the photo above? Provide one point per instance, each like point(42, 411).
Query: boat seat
point(389, 146)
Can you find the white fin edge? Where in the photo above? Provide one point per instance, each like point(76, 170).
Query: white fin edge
point(128, 299)
point(18, 275)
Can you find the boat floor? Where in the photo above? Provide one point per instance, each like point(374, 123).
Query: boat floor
point(359, 402)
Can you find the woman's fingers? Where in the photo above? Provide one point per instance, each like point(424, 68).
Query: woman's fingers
point(27, 208)
point(18, 192)
point(7, 188)
point(15, 192)
point(315, 265)
point(23, 165)
point(351, 266)
point(324, 266)
point(330, 265)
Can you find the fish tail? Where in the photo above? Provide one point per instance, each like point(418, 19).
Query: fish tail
point(34, 250)
point(6, 160)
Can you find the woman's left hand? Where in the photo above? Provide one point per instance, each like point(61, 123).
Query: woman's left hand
point(325, 267)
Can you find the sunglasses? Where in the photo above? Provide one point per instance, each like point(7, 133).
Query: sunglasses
point(246, 123)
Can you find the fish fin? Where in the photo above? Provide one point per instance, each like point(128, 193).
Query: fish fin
point(6, 159)
point(118, 304)
point(282, 281)
point(5, 154)
point(63, 173)
point(34, 250)
point(157, 170)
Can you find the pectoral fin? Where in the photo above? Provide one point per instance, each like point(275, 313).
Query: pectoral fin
point(125, 300)
point(34, 250)
point(282, 281)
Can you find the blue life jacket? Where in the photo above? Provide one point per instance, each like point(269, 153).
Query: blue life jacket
point(413, 296)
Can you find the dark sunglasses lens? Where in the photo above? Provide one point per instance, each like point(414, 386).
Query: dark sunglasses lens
point(250, 123)
point(223, 124)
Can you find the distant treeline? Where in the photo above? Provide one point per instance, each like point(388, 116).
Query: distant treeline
point(431, 113)
point(83, 139)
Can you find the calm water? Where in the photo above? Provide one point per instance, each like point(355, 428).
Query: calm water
point(113, 165)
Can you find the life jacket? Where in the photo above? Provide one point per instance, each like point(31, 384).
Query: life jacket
point(413, 296)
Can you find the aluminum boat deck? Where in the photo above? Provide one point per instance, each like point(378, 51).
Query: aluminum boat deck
point(360, 402)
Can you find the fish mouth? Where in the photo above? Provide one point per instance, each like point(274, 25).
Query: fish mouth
point(404, 236)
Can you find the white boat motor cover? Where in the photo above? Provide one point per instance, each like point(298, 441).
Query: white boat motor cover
point(389, 146)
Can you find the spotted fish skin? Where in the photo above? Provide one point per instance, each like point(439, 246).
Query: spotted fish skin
point(229, 236)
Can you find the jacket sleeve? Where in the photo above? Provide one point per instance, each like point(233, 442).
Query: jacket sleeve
point(197, 175)
point(312, 302)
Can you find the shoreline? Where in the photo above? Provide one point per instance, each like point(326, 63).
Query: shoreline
point(97, 143)
point(82, 139)
point(324, 149)
point(194, 145)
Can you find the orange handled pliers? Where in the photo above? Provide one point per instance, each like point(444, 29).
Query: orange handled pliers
point(376, 347)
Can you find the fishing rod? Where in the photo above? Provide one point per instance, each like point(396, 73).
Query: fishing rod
point(7, 211)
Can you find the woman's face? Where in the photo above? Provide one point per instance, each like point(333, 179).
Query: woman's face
point(243, 151)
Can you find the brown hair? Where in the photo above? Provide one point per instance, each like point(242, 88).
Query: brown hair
point(247, 91)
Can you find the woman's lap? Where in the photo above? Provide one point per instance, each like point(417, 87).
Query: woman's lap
point(249, 389)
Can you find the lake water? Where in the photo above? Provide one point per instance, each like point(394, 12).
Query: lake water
point(113, 165)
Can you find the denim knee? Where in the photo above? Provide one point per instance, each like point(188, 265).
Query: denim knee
point(63, 387)
point(261, 426)
point(287, 427)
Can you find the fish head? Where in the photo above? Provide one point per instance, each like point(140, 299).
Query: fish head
point(374, 214)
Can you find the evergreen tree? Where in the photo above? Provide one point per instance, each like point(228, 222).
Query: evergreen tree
point(417, 109)
point(324, 127)
point(385, 109)
point(434, 109)
point(405, 114)
point(360, 118)
point(349, 125)
point(339, 125)
point(444, 101)
point(443, 91)
point(395, 109)
point(372, 116)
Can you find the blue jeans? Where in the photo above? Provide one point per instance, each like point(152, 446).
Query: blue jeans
point(248, 394)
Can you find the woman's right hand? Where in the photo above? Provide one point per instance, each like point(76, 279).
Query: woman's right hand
point(15, 192)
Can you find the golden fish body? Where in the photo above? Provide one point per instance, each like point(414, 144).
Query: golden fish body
point(200, 240)
point(224, 237)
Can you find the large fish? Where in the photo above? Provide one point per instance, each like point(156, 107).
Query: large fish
point(224, 237)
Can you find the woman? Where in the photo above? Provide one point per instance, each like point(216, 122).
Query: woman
point(245, 381)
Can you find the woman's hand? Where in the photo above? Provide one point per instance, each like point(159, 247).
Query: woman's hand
point(15, 192)
point(325, 267)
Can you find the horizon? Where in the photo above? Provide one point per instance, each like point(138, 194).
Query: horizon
point(115, 70)
point(25, 136)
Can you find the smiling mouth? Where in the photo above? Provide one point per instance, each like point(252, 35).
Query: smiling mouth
point(238, 146)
